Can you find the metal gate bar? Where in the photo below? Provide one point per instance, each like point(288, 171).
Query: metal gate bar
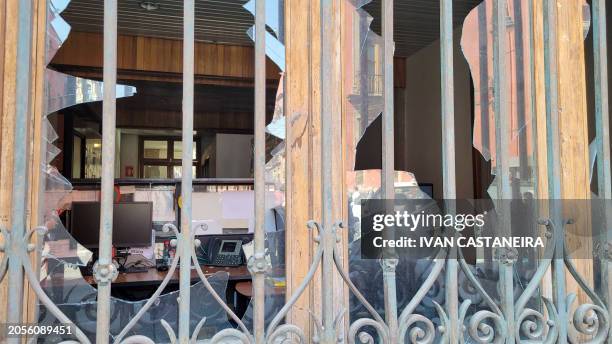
point(259, 264)
point(186, 243)
point(394, 329)
point(388, 164)
point(328, 236)
point(448, 156)
point(602, 125)
point(502, 158)
point(104, 270)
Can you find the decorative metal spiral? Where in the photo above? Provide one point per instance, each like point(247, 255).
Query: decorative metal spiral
point(591, 321)
point(357, 331)
point(534, 327)
point(424, 334)
point(44, 299)
point(481, 330)
point(230, 335)
point(287, 334)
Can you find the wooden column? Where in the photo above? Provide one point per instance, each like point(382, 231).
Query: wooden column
point(573, 127)
point(38, 147)
point(8, 63)
point(302, 94)
point(8, 50)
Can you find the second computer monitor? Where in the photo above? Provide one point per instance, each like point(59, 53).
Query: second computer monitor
point(132, 224)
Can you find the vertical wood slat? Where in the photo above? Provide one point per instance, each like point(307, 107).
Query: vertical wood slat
point(259, 170)
point(187, 173)
point(105, 265)
point(8, 34)
point(302, 95)
point(574, 154)
point(299, 58)
point(37, 147)
point(19, 177)
point(552, 154)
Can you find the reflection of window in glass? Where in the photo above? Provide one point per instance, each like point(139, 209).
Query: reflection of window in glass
point(154, 149)
point(93, 158)
point(177, 171)
point(155, 172)
point(178, 150)
point(160, 157)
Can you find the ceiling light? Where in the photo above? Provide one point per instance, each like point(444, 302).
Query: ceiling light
point(149, 5)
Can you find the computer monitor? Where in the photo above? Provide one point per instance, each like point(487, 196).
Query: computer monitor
point(132, 224)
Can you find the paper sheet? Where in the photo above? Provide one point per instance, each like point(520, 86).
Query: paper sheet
point(237, 204)
point(163, 203)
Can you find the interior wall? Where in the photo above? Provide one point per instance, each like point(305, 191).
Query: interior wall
point(233, 156)
point(422, 129)
point(129, 154)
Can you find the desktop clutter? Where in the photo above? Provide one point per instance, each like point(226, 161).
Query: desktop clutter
point(222, 223)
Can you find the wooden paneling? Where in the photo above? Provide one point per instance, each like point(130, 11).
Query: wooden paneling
point(158, 55)
point(573, 131)
point(299, 132)
point(303, 102)
point(151, 119)
point(9, 13)
point(573, 128)
point(38, 156)
point(2, 43)
point(8, 65)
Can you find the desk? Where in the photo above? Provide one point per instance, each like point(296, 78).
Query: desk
point(141, 285)
point(154, 277)
point(245, 288)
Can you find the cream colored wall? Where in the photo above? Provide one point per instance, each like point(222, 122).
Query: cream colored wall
point(129, 153)
point(423, 128)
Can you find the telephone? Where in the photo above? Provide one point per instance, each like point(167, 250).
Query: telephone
point(223, 252)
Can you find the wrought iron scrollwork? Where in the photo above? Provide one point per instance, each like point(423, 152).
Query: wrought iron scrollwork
point(133, 339)
point(478, 327)
point(243, 335)
point(21, 251)
point(532, 324)
point(588, 319)
point(408, 320)
point(275, 330)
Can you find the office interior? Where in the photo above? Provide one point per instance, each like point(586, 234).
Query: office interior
point(148, 142)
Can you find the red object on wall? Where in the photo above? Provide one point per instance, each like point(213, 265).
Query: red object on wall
point(129, 171)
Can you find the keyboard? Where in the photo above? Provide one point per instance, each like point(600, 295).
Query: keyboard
point(135, 269)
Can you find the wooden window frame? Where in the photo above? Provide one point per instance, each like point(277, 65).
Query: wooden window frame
point(169, 162)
